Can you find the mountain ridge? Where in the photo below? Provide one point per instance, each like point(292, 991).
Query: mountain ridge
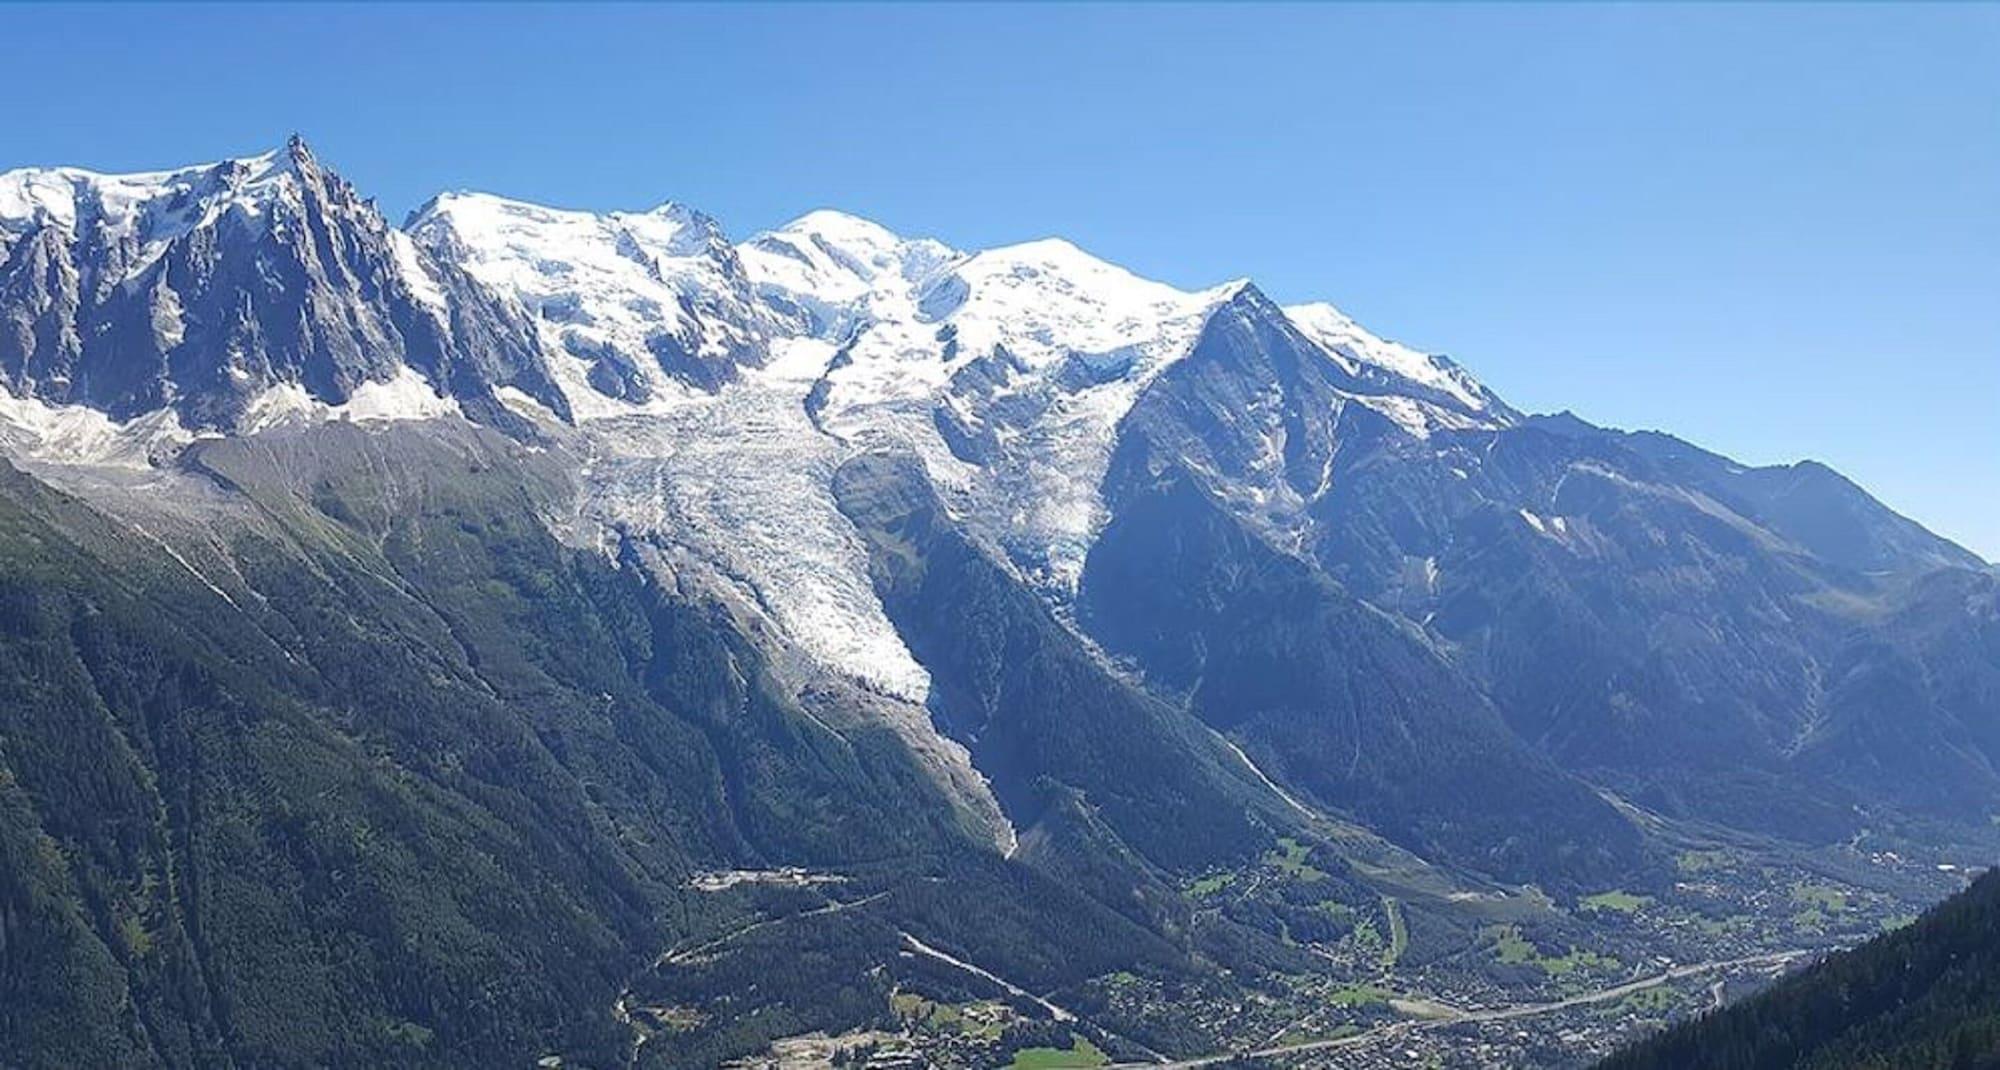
point(1018, 374)
point(1001, 603)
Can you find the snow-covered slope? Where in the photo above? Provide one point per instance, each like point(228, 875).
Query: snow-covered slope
point(145, 211)
point(833, 272)
point(1008, 373)
point(634, 307)
point(1421, 392)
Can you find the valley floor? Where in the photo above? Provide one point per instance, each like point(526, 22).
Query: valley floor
point(1532, 985)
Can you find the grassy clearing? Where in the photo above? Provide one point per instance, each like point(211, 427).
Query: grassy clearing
point(1818, 904)
point(1359, 996)
point(1823, 897)
point(1655, 1002)
point(1702, 861)
point(1729, 925)
point(1211, 883)
point(1399, 932)
point(1290, 858)
point(1510, 947)
point(1080, 1055)
point(1297, 1036)
point(1513, 949)
point(985, 1019)
point(1617, 899)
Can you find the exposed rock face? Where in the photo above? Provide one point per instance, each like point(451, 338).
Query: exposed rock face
point(202, 290)
point(1670, 624)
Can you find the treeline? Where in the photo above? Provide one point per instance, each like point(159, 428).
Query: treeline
point(1925, 996)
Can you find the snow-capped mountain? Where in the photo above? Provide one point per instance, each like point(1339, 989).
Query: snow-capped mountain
point(707, 394)
point(231, 293)
point(1007, 371)
point(634, 307)
point(830, 270)
point(453, 602)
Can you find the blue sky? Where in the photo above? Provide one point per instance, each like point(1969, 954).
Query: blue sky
point(1772, 230)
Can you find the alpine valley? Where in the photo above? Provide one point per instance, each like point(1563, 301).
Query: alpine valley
point(528, 635)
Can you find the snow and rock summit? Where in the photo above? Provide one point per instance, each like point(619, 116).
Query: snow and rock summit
point(713, 386)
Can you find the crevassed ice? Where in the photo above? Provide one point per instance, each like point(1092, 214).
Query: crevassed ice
point(746, 479)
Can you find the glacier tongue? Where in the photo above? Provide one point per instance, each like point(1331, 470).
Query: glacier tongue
point(743, 478)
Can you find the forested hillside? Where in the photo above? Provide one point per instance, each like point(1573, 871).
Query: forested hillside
point(1927, 995)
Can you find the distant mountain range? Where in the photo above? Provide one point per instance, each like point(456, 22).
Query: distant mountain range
point(397, 619)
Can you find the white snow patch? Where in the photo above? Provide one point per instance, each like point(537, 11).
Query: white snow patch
point(75, 434)
point(1555, 527)
point(422, 286)
point(405, 396)
point(1417, 417)
point(834, 267)
point(1355, 349)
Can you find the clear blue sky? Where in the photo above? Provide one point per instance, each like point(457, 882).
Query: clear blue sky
point(1772, 230)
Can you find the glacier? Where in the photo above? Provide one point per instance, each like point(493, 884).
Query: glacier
point(711, 388)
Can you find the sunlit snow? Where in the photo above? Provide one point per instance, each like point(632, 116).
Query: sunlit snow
point(1007, 371)
point(149, 209)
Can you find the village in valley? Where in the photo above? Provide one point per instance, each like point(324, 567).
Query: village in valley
point(1494, 980)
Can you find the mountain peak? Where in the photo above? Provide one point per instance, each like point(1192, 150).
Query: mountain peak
point(675, 210)
point(835, 225)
